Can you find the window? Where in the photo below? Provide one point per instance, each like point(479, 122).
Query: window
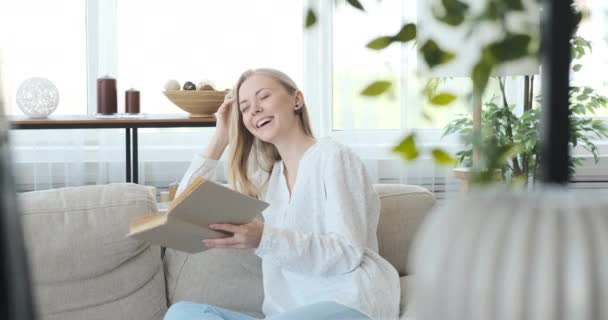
point(355, 66)
point(595, 29)
point(35, 43)
point(191, 40)
point(143, 48)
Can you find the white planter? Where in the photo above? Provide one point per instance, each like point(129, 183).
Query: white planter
point(538, 254)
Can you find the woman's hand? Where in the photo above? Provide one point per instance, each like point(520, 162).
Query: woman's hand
point(222, 116)
point(243, 236)
point(219, 141)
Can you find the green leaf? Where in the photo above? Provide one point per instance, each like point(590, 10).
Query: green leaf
point(577, 67)
point(587, 90)
point(578, 17)
point(376, 88)
point(443, 99)
point(311, 19)
point(433, 55)
point(508, 151)
point(454, 12)
point(407, 148)
point(379, 43)
point(356, 4)
point(407, 33)
point(515, 5)
point(580, 41)
point(427, 117)
point(512, 47)
point(481, 75)
point(580, 52)
point(442, 157)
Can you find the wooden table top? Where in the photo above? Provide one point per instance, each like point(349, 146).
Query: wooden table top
point(113, 121)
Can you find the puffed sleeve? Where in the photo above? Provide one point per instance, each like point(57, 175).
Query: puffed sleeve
point(350, 206)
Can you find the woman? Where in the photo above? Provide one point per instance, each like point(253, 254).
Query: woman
point(318, 240)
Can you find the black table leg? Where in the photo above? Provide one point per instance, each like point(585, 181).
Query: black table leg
point(135, 160)
point(128, 152)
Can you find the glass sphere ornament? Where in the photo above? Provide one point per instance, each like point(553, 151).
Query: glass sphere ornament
point(37, 97)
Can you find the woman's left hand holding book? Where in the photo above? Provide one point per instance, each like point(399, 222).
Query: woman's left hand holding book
point(244, 236)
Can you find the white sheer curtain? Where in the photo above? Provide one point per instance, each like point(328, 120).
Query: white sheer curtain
point(46, 159)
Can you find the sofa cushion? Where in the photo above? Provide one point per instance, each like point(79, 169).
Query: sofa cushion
point(228, 278)
point(403, 207)
point(83, 266)
point(405, 306)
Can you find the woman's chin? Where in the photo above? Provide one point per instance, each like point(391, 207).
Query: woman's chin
point(269, 138)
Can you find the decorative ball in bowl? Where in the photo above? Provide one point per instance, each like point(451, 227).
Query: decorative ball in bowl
point(198, 103)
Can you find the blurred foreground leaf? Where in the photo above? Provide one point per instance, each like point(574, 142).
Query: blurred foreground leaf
point(311, 19)
point(443, 99)
point(376, 88)
point(407, 148)
point(442, 157)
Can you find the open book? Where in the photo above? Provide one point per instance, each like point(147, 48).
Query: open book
point(185, 224)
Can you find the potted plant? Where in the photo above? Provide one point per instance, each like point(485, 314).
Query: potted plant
point(510, 141)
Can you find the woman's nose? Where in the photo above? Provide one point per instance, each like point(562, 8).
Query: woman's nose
point(256, 108)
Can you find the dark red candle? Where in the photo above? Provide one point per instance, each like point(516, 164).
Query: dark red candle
point(132, 101)
point(106, 95)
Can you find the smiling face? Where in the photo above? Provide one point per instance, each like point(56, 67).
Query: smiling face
point(267, 108)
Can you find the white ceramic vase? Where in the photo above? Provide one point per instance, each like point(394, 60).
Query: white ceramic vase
point(505, 255)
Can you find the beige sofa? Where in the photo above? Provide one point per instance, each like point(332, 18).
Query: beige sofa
point(84, 267)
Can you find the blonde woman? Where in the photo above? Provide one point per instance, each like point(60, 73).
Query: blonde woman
point(318, 240)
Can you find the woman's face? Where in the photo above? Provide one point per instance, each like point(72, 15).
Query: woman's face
point(267, 108)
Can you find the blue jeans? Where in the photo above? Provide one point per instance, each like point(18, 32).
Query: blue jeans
point(317, 311)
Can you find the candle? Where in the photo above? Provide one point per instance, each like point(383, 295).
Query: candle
point(106, 95)
point(132, 101)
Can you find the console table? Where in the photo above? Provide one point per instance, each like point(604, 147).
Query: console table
point(129, 123)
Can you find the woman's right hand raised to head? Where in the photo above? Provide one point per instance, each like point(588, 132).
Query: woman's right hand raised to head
point(222, 116)
point(219, 141)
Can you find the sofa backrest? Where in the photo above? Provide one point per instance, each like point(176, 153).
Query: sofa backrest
point(233, 278)
point(83, 266)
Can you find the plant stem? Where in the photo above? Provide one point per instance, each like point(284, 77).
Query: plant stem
point(528, 95)
point(477, 120)
point(508, 126)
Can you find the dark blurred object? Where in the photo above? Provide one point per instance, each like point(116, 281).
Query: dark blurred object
point(106, 96)
point(189, 85)
point(557, 29)
point(15, 289)
point(132, 101)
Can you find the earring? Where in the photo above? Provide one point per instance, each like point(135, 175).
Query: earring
point(297, 109)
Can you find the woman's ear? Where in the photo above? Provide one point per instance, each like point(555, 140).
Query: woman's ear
point(299, 103)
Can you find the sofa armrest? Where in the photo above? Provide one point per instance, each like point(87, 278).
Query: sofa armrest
point(403, 208)
point(81, 261)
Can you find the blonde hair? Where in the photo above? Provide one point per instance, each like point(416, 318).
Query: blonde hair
point(248, 152)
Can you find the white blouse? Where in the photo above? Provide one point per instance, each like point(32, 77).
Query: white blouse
point(320, 243)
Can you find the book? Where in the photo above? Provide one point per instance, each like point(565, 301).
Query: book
point(186, 222)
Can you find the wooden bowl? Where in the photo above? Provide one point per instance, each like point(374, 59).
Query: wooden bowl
point(198, 103)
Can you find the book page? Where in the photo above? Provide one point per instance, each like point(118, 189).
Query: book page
point(146, 221)
point(210, 203)
point(179, 235)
